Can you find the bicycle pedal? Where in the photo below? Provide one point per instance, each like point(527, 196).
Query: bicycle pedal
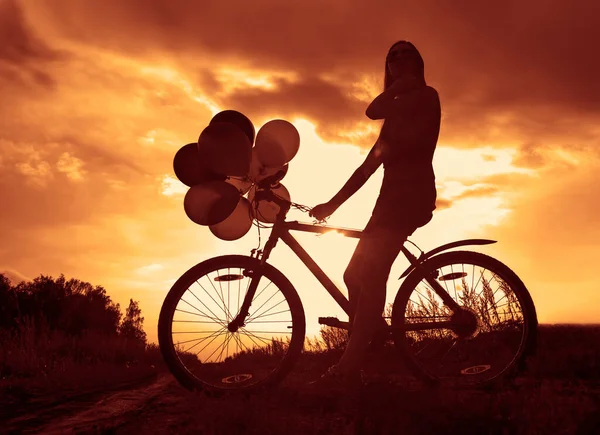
point(334, 322)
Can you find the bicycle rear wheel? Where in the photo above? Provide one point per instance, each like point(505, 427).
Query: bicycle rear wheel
point(200, 350)
point(488, 339)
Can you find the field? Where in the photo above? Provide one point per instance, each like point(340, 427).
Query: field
point(558, 394)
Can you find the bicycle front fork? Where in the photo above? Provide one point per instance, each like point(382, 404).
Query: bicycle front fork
point(240, 319)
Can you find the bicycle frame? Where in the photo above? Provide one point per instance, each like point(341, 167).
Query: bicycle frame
point(281, 230)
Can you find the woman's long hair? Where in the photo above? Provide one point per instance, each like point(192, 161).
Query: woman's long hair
point(387, 81)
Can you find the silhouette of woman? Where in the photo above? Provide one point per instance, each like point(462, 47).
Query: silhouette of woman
point(406, 144)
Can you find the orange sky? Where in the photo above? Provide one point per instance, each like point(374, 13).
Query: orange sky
point(98, 96)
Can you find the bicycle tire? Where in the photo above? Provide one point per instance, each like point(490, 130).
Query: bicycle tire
point(178, 368)
point(406, 343)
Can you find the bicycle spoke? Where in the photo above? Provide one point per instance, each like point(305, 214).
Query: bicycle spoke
point(230, 337)
point(216, 303)
point(205, 306)
point(206, 345)
point(237, 342)
point(264, 340)
point(429, 326)
point(195, 314)
point(479, 279)
point(265, 312)
point(220, 295)
point(272, 314)
point(268, 339)
point(194, 330)
point(240, 342)
point(227, 351)
point(227, 338)
point(422, 349)
point(424, 297)
point(191, 321)
point(271, 332)
point(449, 349)
point(274, 321)
point(505, 295)
point(239, 291)
point(472, 346)
point(267, 301)
point(215, 318)
point(215, 334)
point(252, 339)
point(428, 286)
point(228, 289)
point(463, 271)
point(446, 282)
point(261, 292)
point(200, 339)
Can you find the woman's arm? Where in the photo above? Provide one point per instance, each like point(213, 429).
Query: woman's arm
point(358, 178)
point(354, 183)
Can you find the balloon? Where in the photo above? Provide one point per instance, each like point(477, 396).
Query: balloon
point(210, 203)
point(277, 142)
point(236, 225)
point(259, 171)
point(190, 169)
point(266, 211)
point(243, 185)
point(226, 149)
point(237, 118)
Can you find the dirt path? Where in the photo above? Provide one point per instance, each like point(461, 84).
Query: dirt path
point(164, 407)
point(91, 412)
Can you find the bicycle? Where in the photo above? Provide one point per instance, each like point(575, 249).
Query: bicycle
point(445, 330)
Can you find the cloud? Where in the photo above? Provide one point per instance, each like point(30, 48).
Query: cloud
point(478, 191)
point(78, 157)
point(23, 53)
point(551, 238)
point(71, 166)
point(443, 203)
point(298, 99)
point(470, 192)
point(13, 275)
point(501, 69)
point(38, 173)
point(98, 96)
point(530, 156)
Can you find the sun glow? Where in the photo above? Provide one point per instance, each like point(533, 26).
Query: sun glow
point(317, 172)
point(239, 78)
point(170, 75)
point(171, 186)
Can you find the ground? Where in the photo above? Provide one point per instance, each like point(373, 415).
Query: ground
point(558, 394)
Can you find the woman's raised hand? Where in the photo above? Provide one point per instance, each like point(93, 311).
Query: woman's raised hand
point(404, 84)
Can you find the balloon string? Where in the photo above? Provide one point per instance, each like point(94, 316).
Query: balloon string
point(303, 208)
point(259, 225)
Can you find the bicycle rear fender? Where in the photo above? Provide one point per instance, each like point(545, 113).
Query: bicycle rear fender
point(445, 247)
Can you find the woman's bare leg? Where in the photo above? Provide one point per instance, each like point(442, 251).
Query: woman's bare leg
point(367, 276)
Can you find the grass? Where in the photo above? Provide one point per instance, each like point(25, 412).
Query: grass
point(37, 364)
point(558, 394)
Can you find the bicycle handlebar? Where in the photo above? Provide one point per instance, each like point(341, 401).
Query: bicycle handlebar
point(267, 195)
point(264, 192)
point(269, 181)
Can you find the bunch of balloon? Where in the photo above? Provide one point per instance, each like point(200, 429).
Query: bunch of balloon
point(226, 164)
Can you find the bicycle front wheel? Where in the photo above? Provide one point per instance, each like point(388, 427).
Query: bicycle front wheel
point(200, 350)
point(486, 339)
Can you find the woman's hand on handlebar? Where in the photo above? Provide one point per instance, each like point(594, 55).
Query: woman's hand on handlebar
point(322, 211)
